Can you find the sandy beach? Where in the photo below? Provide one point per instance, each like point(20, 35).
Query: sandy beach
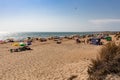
point(60, 40)
point(47, 61)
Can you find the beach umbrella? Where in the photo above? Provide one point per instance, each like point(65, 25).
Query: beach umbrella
point(22, 44)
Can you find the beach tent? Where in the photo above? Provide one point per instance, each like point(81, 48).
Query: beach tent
point(1, 41)
point(95, 41)
point(109, 38)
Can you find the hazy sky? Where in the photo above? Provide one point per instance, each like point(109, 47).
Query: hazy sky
point(59, 15)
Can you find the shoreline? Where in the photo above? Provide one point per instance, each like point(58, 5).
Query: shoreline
point(21, 35)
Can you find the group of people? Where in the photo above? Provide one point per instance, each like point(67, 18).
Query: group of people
point(95, 41)
point(21, 46)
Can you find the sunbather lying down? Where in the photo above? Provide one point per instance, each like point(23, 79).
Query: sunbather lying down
point(24, 48)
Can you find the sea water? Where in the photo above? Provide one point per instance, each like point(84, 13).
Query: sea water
point(23, 35)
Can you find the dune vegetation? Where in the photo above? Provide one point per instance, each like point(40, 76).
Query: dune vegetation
point(107, 62)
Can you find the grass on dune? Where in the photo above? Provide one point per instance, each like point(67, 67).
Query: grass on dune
point(107, 62)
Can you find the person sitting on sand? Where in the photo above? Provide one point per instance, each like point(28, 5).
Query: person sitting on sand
point(24, 48)
point(78, 40)
point(28, 42)
point(88, 41)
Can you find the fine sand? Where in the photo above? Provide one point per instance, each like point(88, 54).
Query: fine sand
point(47, 61)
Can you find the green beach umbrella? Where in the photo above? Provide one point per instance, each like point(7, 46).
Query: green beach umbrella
point(22, 44)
